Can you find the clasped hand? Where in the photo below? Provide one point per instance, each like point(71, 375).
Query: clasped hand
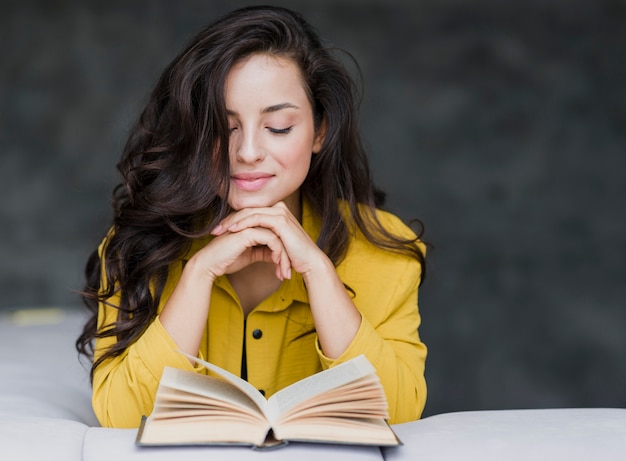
point(270, 234)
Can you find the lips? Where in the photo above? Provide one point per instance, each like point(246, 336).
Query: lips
point(251, 182)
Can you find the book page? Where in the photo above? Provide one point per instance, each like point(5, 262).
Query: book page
point(365, 401)
point(178, 388)
point(198, 430)
point(243, 386)
point(374, 431)
point(317, 384)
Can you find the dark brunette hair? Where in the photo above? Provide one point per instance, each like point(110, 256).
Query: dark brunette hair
point(175, 167)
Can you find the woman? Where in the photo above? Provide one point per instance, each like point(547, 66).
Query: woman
point(246, 229)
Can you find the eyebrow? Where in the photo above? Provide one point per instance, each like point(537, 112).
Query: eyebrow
point(277, 107)
point(270, 109)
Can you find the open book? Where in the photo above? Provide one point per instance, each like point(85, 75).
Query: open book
point(345, 404)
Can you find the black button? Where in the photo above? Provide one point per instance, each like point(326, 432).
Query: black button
point(256, 334)
point(262, 392)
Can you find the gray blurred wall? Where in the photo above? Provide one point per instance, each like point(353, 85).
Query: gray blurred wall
point(501, 125)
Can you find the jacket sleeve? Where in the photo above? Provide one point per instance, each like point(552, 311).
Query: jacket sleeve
point(124, 387)
point(388, 336)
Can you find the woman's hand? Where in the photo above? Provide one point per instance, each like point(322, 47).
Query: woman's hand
point(294, 249)
point(230, 252)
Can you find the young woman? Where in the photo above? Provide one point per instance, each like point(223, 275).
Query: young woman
point(246, 229)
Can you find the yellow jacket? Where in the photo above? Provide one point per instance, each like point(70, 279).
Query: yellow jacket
point(281, 342)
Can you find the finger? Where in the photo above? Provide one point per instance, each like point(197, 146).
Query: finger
point(276, 220)
point(256, 244)
point(280, 205)
point(264, 254)
point(281, 259)
point(224, 225)
point(218, 230)
point(233, 221)
point(285, 266)
point(268, 246)
point(277, 259)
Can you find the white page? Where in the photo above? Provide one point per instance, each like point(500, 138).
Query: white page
point(201, 386)
point(317, 384)
point(235, 380)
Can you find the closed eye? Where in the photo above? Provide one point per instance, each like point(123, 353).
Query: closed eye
point(280, 130)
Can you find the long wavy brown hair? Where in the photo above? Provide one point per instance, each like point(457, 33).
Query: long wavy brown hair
point(175, 168)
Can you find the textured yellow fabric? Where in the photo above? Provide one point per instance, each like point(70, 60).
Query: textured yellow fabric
point(281, 342)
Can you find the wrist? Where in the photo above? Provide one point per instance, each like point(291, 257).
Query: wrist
point(196, 270)
point(319, 268)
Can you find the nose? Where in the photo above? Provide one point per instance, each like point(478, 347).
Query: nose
point(247, 147)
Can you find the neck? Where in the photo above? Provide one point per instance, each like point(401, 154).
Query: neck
point(253, 284)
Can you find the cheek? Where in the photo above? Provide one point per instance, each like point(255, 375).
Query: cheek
point(297, 159)
point(296, 154)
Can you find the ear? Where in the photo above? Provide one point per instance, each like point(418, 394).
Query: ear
point(318, 141)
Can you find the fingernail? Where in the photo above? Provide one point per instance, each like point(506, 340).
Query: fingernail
point(217, 229)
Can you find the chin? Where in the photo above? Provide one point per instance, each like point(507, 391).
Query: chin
point(240, 205)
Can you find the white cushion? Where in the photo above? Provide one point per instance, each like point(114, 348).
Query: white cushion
point(560, 434)
point(40, 373)
point(35, 439)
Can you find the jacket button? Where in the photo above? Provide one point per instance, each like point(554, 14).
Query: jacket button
point(256, 334)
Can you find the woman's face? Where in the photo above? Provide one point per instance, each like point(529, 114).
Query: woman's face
point(272, 132)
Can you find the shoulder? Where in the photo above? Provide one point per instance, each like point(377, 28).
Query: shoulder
point(379, 276)
point(399, 228)
point(363, 254)
point(391, 224)
point(394, 225)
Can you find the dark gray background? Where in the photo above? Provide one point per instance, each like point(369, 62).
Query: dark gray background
point(500, 124)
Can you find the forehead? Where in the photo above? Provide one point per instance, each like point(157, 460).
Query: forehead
point(264, 79)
